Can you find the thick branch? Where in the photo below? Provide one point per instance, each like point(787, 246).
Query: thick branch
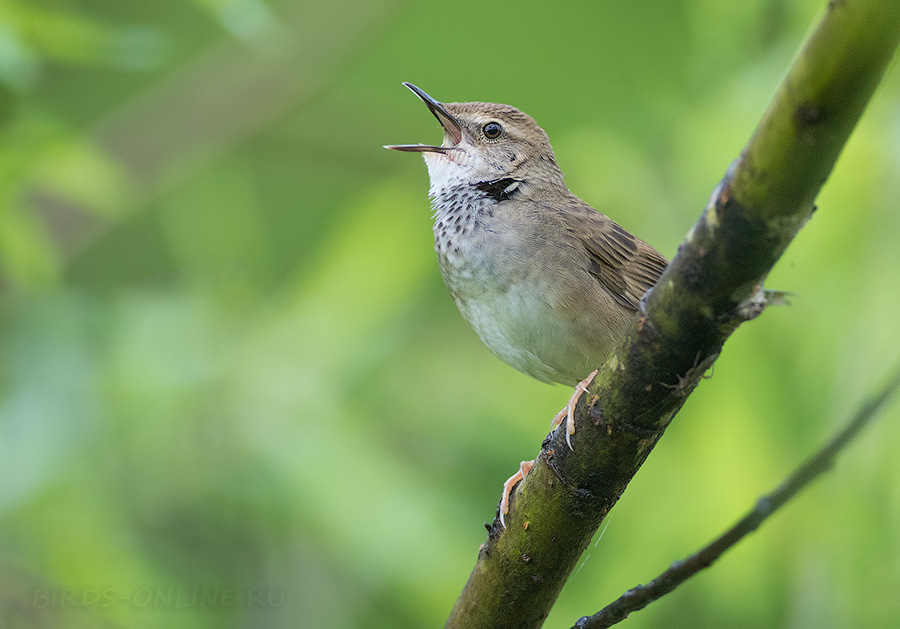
point(699, 301)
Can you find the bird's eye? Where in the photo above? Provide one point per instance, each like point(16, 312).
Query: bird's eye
point(492, 130)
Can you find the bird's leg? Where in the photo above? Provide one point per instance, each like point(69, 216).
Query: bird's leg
point(524, 468)
point(568, 410)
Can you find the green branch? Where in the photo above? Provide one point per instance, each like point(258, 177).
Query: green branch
point(709, 288)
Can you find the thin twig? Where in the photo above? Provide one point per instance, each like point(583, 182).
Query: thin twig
point(642, 595)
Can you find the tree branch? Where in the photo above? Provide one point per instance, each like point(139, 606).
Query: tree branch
point(702, 297)
point(642, 595)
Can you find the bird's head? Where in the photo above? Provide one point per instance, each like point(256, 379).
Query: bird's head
point(486, 143)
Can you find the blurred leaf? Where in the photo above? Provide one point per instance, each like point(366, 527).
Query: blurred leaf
point(247, 19)
point(71, 37)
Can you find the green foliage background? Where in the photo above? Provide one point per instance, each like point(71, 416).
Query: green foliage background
point(227, 359)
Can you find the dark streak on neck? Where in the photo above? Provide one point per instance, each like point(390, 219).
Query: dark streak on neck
point(496, 189)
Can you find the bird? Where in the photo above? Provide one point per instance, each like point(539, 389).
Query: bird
point(548, 283)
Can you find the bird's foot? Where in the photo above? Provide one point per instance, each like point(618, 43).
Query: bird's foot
point(524, 468)
point(568, 410)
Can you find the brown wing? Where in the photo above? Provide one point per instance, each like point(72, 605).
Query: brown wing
point(624, 265)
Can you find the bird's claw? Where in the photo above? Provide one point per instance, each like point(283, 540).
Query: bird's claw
point(568, 410)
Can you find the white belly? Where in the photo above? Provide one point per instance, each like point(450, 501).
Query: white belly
point(528, 331)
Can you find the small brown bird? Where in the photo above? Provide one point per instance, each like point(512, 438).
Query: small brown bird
point(548, 283)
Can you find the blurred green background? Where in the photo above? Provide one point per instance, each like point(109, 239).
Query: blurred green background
point(235, 393)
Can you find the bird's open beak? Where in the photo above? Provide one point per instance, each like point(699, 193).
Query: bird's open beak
point(452, 129)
